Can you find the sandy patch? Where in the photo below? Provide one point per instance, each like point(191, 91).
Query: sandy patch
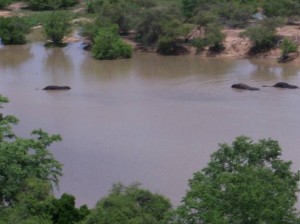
point(6, 13)
point(16, 6)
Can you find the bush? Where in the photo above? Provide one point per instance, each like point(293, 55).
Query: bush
point(262, 37)
point(56, 26)
point(4, 3)
point(124, 13)
point(199, 43)
point(39, 5)
point(168, 46)
point(245, 182)
point(109, 45)
point(287, 46)
point(13, 30)
point(131, 205)
point(149, 27)
point(213, 38)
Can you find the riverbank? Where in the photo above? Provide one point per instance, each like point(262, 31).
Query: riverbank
point(235, 46)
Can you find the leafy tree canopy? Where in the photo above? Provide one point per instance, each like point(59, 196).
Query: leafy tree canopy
point(13, 30)
point(22, 159)
point(131, 205)
point(56, 26)
point(109, 45)
point(245, 183)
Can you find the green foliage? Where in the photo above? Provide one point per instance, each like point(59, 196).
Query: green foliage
point(167, 46)
point(109, 45)
point(65, 212)
point(36, 18)
point(190, 6)
point(89, 29)
point(131, 205)
point(22, 158)
point(160, 25)
point(56, 26)
point(235, 14)
point(202, 18)
point(168, 42)
point(287, 46)
point(213, 38)
point(4, 3)
point(150, 26)
point(124, 13)
point(33, 204)
point(199, 43)
point(246, 182)
point(13, 30)
point(263, 37)
point(39, 5)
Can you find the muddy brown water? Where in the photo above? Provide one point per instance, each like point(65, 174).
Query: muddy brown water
point(151, 119)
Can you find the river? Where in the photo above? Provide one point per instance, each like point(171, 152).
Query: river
point(151, 119)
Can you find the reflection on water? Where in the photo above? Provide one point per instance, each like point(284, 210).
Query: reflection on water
point(58, 64)
point(14, 56)
point(270, 69)
point(106, 70)
point(152, 119)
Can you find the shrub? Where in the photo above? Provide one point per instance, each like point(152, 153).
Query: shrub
point(213, 38)
point(13, 30)
point(167, 46)
point(56, 26)
point(199, 43)
point(109, 45)
point(39, 5)
point(130, 204)
point(263, 37)
point(4, 3)
point(287, 46)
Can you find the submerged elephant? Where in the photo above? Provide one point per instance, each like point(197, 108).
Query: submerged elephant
point(285, 85)
point(57, 88)
point(244, 87)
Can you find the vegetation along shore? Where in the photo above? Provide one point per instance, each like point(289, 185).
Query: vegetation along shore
point(216, 28)
point(245, 182)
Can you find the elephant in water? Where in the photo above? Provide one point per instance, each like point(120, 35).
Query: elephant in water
point(57, 88)
point(244, 87)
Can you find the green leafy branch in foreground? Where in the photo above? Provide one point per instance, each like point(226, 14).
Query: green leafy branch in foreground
point(22, 158)
point(246, 182)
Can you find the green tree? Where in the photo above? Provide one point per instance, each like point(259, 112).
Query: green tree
point(4, 3)
point(56, 26)
point(150, 25)
point(169, 42)
point(13, 30)
point(109, 45)
point(33, 204)
point(131, 205)
point(287, 46)
point(65, 212)
point(263, 36)
point(39, 5)
point(23, 158)
point(245, 183)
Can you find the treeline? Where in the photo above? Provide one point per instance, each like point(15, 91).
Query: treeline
point(245, 182)
point(167, 26)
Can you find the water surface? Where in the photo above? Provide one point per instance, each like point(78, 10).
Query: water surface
point(151, 119)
